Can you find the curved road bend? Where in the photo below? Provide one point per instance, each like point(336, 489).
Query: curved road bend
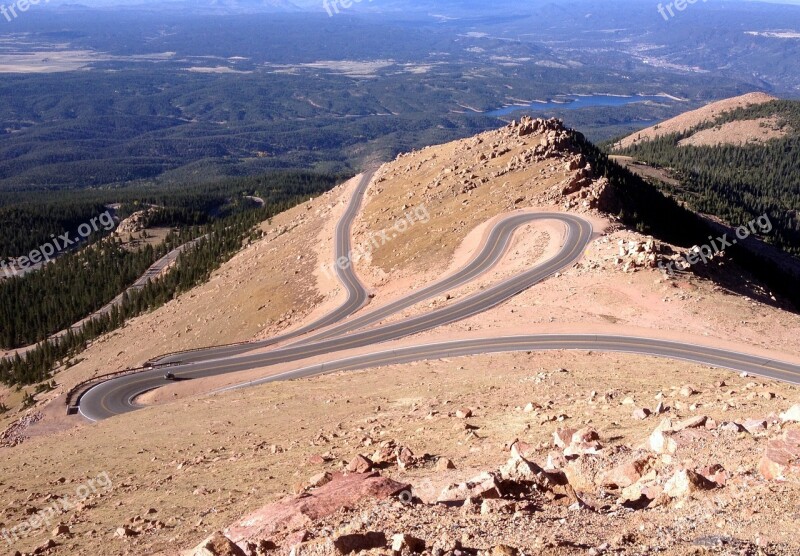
point(739, 362)
point(116, 396)
point(357, 294)
point(578, 235)
point(94, 404)
point(490, 253)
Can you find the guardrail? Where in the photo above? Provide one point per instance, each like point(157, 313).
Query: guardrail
point(77, 391)
point(153, 360)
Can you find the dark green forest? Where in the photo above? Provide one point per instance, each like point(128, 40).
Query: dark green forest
point(738, 183)
point(28, 218)
point(37, 305)
point(194, 266)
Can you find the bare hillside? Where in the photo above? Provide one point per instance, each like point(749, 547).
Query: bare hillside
point(687, 121)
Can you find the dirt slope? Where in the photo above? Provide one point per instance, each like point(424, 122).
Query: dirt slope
point(197, 464)
point(686, 121)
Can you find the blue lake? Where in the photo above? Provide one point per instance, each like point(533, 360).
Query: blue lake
point(573, 103)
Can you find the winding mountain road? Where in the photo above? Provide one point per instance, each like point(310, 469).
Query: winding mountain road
point(117, 396)
point(357, 294)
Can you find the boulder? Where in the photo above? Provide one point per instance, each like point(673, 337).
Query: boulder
point(662, 442)
point(359, 464)
point(519, 469)
point(641, 414)
point(356, 542)
point(443, 464)
point(754, 426)
point(563, 437)
point(626, 474)
point(401, 543)
point(792, 414)
point(483, 486)
point(217, 545)
point(298, 512)
point(690, 423)
point(781, 459)
point(686, 482)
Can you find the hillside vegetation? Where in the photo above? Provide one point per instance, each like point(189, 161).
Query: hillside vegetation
point(737, 183)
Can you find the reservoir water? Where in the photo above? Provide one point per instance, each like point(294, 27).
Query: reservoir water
point(574, 103)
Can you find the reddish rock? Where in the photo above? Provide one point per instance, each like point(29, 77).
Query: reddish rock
point(626, 474)
point(405, 458)
point(443, 464)
point(583, 442)
point(483, 486)
point(715, 473)
point(346, 544)
point(294, 513)
point(401, 542)
point(586, 434)
point(522, 449)
point(320, 479)
point(687, 437)
point(690, 423)
point(359, 464)
point(297, 537)
point(754, 426)
point(42, 548)
point(781, 459)
point(641, 414)
point(316, 459)
point(217, 545)
point(686, 482)
point(464, 413)
point(385, 453)
point(563, 437)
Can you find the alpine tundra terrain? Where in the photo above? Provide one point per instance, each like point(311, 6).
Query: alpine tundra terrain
point(530, 352)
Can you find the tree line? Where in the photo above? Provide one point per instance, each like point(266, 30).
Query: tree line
point(738, 183)
point(193, 267)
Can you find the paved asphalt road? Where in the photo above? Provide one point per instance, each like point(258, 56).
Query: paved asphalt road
point(357, 294)
point(115, 397)
point(740, 362)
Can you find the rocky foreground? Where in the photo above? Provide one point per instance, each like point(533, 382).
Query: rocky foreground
point(574, 494)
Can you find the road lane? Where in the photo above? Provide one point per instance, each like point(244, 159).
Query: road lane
point(357, 294)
